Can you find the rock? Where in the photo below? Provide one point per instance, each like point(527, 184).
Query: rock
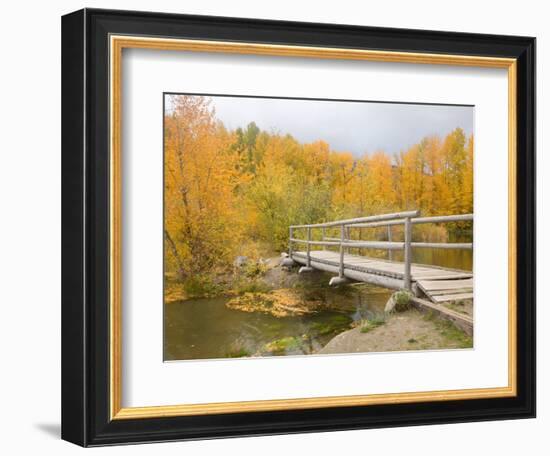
point(240, 261)
point(390, 305)
point(288, 262)
point(337, 281)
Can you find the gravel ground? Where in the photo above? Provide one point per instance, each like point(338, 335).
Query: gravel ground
point(409, 330)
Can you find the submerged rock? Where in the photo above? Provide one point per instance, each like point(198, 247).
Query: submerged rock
point(285, 346)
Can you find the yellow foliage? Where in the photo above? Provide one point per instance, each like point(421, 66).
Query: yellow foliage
point(230, 193)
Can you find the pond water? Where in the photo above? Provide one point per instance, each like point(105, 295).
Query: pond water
point(207, 329)
point(448, 258)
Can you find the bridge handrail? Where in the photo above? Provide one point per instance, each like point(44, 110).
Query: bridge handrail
point(419, 220)
point(351, 222)
point(380, 244)
point(384, 245)
point(406, 218)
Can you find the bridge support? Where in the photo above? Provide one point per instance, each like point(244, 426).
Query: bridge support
point(335, 281)
point(390, 252)
point(407, 254)
point(305, 269)
point(342, 239)
point(308, 264)
point(288, 262)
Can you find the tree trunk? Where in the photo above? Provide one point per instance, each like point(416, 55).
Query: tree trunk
point(172, 244)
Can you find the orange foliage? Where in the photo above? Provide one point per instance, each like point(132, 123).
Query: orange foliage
point(227, 189)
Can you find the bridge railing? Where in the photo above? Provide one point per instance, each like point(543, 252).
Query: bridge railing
point(407, 219)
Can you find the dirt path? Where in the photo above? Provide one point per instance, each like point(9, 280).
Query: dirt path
point(409, 330)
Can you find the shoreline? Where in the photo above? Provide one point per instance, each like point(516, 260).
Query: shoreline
point(403, 331)
point(273, 291)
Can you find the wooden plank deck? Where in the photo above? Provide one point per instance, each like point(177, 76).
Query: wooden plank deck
point(447, 290)
point(437, 283)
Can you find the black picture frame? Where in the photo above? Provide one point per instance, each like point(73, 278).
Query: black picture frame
point(85, 228)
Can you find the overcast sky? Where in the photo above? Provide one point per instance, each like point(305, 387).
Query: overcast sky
point(357, 127)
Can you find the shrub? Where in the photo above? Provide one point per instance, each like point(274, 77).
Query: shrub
point(254, 269)
point(402, 301)
point(251, 286)
point(200, 286)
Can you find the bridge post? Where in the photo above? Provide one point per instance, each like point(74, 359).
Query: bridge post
point(342, 239)
point(390, 252)
point(408, 253)
point(290, 235)
point(323, 233)
point(308, 263)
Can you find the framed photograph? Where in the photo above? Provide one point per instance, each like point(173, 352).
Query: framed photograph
point(279, 227)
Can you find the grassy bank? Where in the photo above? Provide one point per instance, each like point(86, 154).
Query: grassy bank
point(403, 331)
point(247, 279)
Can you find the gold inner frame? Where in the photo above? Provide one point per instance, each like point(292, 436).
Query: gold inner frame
point(117, 44)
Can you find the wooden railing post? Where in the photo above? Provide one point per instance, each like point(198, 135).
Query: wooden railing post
point(291, 232)
point(342, 239)
point(308, 248)
point(390, 252)
point(408, 253)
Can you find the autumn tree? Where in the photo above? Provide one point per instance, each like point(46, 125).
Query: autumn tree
point(201, 173)
point(226, 191)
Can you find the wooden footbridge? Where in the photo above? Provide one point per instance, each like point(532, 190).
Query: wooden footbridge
point(436, 283)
